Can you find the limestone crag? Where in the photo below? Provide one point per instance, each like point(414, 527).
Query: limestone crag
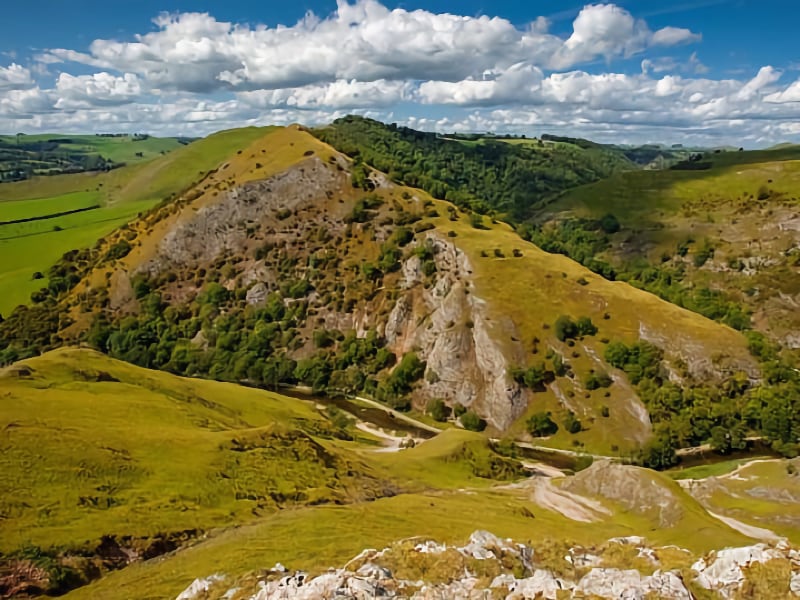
point(490, 567)
point(451, 328)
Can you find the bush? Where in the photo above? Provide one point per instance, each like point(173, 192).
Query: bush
point(437, 409)
point(472, 421)
point(541, 425)
point(476, 221)
point(565, 328)
point(572, 423)
point(585, 326)
point(459, 409)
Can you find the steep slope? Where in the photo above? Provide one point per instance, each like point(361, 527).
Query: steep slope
point(732, 226)
point(290, 263)
point(37, 232)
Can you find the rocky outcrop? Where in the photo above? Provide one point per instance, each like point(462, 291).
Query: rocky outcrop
point(490, 567)
point(202, 235)
point(450, 327)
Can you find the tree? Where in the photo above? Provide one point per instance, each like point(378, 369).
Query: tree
point(437, 409)
point(541, 425)
point(609, 223)
point(585, 326)
point(565, 328)
point(472, 421)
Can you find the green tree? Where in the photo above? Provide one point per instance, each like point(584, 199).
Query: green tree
point(541, 425)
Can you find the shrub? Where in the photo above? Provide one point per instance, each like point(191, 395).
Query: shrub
point(565, 328)
point(437, 409)
point(472, 421)
point(572, 423)
point(540, 425)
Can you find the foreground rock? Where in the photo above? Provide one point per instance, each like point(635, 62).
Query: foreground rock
point(490, 567)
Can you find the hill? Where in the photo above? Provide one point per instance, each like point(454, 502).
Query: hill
point(25, 156)
point(507, 177)
point(293, 264)
point(728, 230)
point(109, 468)
point(43, 218)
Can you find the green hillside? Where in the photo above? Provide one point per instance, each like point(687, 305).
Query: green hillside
point(485, 174)
point(99, 455)
point(111, 199)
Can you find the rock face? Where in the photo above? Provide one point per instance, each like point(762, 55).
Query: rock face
point(465, 364)
point(723, 571)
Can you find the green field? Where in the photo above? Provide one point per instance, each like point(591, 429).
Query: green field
point(26, 248)
point(49, 153)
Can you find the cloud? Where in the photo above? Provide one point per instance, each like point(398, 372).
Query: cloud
point(99, 89)
point(15, 77)
point(790, 94)
point(365, 41)
point(609, 31)
point(339, 94)
point(193, 74)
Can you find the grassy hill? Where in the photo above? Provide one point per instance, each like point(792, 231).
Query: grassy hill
point(486, 174)
point(731, 227)
point(282, 267)
point(105, 200)
point(103, 460)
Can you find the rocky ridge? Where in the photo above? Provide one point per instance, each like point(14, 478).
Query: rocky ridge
point(490, 567)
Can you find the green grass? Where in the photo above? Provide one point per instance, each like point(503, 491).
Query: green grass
point(122, 149)
point(26, 209)
point(26, 248)
point(712, 470)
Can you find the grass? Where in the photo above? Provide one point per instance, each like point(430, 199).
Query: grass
point(763, 495)
point(122, 193)
point(93, 447)
point(711, 470)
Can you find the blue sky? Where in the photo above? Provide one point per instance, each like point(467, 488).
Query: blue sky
point(705, 71)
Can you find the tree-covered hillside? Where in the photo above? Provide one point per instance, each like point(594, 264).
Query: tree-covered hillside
point(485, 175)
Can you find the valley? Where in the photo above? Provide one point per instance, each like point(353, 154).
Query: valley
point(260, 348)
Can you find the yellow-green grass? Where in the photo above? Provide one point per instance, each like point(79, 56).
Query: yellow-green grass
point(532, 290)
point(763, 494)
point(664, 207)
point(92, 446)
point(711, 470)
point(26, 248)
point(316, 538)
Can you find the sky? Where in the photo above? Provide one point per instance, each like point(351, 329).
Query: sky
point(700, 72)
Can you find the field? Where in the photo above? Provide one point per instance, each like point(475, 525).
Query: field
point(94, 447)
point(121, 194)
point(26, 156)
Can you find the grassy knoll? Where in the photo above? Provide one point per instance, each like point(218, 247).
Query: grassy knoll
point(122, 194)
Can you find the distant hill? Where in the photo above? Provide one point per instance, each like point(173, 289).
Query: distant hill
point(473, 172)
point(24, 156)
